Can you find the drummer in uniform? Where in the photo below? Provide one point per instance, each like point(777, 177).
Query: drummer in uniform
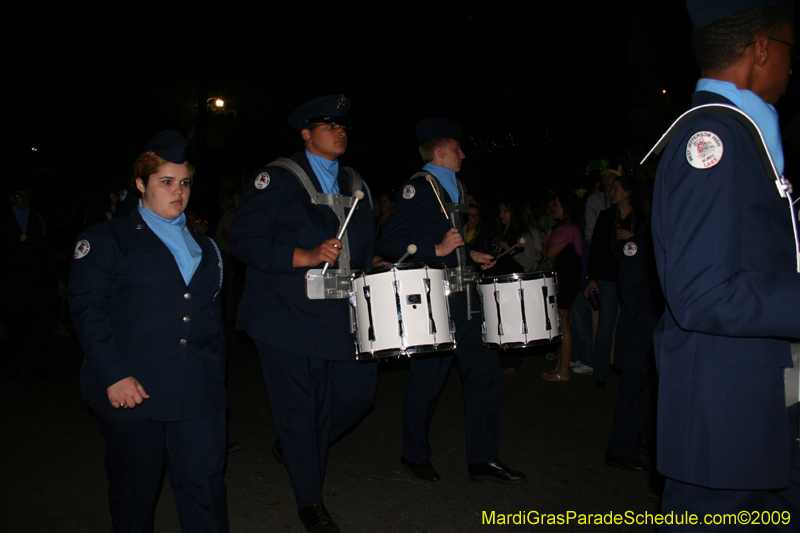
point(285, 225)
point(418, 219)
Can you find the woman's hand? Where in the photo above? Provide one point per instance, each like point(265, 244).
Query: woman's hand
point(126, 393)
point(624, 234)
point(590, 287)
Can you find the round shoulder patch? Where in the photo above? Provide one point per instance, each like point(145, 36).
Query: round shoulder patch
point(704, 150)
point(629, 249)
point(409, 191)
point(82, 248)
point(262, 180)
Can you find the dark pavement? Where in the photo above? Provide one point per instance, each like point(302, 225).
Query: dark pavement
point(53, 477)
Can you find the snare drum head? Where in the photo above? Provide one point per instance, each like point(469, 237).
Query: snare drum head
point(511, 278)
point(403, 266)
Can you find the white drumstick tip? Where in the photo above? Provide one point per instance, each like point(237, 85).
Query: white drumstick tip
point(359, 195)
point(412, 249)
point(522, 240)
point(429, 178)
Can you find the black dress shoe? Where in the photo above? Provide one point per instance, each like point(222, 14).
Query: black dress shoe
point(277, 452)
point(423, 470)
point(316, 519)
point(495, 470)
point(626, 464)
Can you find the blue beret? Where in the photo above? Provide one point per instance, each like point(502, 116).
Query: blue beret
point(435, 128)
point(169, 145)
point(331, 109)
point(705, 12)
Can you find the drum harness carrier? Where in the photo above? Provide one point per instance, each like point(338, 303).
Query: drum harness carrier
point(336, 283)
point(461, 277)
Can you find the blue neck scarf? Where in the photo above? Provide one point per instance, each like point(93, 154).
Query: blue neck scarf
point(327, 172)
point(761, 112)
point(447, 177)
point(22, 216)
point(175, 235)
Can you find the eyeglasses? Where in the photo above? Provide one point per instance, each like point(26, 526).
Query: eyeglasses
point(793, 51)
point(333, 126)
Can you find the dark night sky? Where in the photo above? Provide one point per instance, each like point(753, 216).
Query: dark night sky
point(569, 86)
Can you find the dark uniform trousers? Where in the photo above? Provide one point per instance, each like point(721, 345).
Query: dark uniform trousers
point(317, 398)
point(194, 452)
point(642, 304)
point(480, 372)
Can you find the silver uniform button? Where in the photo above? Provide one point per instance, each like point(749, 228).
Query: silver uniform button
point(187, 319)
point(183, 342)
point(187, 296)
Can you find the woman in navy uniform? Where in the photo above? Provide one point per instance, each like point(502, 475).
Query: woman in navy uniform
point(317, 390)
point(144, 296)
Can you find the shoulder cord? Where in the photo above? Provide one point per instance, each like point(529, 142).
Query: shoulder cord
point(783, 185)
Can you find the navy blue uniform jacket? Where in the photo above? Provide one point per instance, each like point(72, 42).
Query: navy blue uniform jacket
point(129, 302)
point(725, 254)
point(417, 218)
point(642, 303)
point(269, 224)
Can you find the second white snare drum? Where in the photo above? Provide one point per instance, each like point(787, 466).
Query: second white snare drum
point(519, 310)
point(401, 309)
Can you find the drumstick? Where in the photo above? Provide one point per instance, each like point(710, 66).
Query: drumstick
point(358, 195)
point(411, 250)
point(58, 255)
point(436, 192)
point(521, 241)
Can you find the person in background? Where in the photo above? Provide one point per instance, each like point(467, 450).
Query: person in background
point(614, 227)
point(564, 248)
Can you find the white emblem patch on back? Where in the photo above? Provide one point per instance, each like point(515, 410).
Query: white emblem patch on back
point(704, 150)
point(262, 180)
point(409, 191)
point(81, 249)
point(629, 249)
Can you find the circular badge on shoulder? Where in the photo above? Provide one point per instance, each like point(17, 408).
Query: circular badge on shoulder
point(409, 191)
point(629, 249)
point(704, 149)
point(262, 180)
point(82, 248)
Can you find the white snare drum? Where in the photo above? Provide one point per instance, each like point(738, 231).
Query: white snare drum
point(401, 309)
point(519, 310)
